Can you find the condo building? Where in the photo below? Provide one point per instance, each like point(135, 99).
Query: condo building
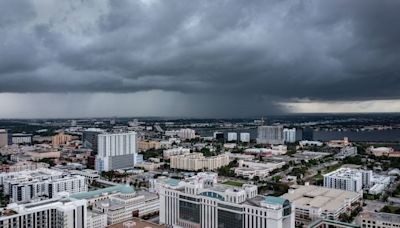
point(35, 185)
point(51, 213)
point(116, 151)
point(197, 161)
point(270, 135)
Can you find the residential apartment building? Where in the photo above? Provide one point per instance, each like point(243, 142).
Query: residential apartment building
point(232, 136)
point(34, 185)
point(90, 138)
point(116, 151)
point(356, 180)
point(201, 202)
point(197, 161)
point(244, 137)
point(289, 135)
point(186, 133)
point(51, 213)
point(20, 138)
point(61, 139)
point(175, 151)
point(3, 138)
point(270, 135)
point(148, 145)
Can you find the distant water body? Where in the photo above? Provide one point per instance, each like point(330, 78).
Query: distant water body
point(392, 135)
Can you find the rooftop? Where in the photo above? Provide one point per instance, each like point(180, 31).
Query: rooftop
point(327, 199)
point(125, 189)
point(393, 218)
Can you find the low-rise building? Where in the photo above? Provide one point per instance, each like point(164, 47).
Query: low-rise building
point(33, 185)
point(21, 166)
point(149, 166)
point(315, 202)
point(250, 169)
point(378, 219)
point(175, 151)
point(96, 219)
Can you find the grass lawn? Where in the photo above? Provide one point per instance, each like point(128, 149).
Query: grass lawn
point(391, 209)
point(233, 183)
point(331, 168)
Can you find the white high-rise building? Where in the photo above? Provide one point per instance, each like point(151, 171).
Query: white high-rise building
point(51, 213)
point(200, 201)
point(289, 135)
point(187, 133)
point(245, 137)
point(33, 185)
point(116, 151)
point(348, 179)
point(232, 136)
point(270, 135)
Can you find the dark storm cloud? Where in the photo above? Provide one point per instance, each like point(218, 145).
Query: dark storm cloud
point(243, 52)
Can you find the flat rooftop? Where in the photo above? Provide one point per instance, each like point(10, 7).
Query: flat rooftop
point(327, 199)
point(137, 223)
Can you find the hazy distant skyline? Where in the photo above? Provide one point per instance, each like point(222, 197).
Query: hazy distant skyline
point(83, 58)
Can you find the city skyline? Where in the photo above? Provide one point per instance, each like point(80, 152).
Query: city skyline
point(199, 59)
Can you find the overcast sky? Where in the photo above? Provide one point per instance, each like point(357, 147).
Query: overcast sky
point(82, 58)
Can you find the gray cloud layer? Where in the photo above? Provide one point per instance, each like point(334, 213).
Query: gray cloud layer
point(242, 52)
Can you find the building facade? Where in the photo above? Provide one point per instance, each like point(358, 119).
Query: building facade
point(289, 135)
point(270, 135)
point(197, 161)
point(232, 136)
point(175, 151)
point(316, 202)
point(61, 139)
point(187, 133)
point(245, 137)
point(33, 185)
point(52, 213)
point(116, 151)
point(200, 202)
point(3, 138)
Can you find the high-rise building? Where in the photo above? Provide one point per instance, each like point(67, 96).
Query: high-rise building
point(289, 135)
point(245, 137)
point(270, 135)
point(116, 151)
point(187, 133)
point(51, 213)
point(348, 179)
point(200, 201)
point(218, 135)
point(90, 138)
point(3, 138)
point(315, 202)
point(232, 136)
